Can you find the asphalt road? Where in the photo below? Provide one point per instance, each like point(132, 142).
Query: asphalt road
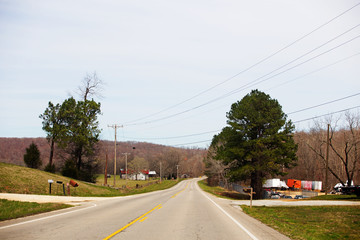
point(182, 212)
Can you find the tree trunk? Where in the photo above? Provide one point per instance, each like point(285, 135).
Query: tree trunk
point(256, 184)
point(51, 152)
point(79, 156)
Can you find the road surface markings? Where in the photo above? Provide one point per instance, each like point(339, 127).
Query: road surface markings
point(233, 219)
point(52, 216)
point(180, 191)
point(143, 219)
point(131, 223)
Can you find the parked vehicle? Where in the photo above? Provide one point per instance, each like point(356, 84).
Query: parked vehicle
point(275, 196)
point(301, 197)
point(351, 190)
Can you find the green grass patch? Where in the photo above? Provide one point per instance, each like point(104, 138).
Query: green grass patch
point(311, 222)
point(15, 209)
point(335, 197)
point(221, 192)
point(17, 179)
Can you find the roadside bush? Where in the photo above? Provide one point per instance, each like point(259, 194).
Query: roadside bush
point(69, 169)
point(50, 168)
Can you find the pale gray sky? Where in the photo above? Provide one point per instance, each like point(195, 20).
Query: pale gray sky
point(153, 55)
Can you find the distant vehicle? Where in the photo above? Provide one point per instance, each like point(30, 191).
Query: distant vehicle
point(288, 197)
point(300, 197)
point(275, 196)
point(351, 190)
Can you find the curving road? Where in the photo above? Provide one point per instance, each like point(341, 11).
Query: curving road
point(182, 212)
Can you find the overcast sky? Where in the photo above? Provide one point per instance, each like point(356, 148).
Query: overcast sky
point(183, 63)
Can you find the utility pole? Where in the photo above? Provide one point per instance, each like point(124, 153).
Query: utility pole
point(126, 176)
point(177, 172)
point(160, 171)
point(106, 161)
point(115, 126)
point(327, 158)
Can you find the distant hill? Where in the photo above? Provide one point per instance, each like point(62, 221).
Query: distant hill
point(12, 151)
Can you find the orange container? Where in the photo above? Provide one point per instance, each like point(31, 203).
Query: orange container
point(293, 183)
point(73, 183)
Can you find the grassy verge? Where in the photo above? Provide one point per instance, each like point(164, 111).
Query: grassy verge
point(14, 209)
point(221, 192)
point(17, 179)
point(311, 222)
point(335, 197)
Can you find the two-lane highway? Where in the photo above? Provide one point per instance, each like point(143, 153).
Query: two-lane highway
point(182, 212)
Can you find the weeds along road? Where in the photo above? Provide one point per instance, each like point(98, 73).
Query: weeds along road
point(182, 212)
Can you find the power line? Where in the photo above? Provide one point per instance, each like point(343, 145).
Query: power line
point(304, 75)
point(256, 82)
point(322, 104)
point(340, 111)
point(248, 68)
point(174, 137)
point(316, 70)
point(183, 144)
point(301, 110)
point(252, 83)
point(344, 110)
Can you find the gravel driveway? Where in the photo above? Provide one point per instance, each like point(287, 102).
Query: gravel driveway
point(49, 198)
point(288, 202)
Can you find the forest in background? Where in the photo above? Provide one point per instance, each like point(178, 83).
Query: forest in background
point(190, 160)
point(310, 165)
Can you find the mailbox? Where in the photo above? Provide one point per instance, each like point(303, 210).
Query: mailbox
point(50, 181)
point(73, 183)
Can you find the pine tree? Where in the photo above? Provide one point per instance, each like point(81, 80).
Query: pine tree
point(258, 142)
point(32, 156)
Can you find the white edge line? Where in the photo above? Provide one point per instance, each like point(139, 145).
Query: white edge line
point(43, 218)
point(233, 219)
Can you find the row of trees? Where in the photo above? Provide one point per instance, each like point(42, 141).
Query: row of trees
point(173, 161)
point(260, 143)
point(344, 150)
point(73, 127)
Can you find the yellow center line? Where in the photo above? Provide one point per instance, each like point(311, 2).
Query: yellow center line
point(131, 223)
point(143, 219)
point(180, 191)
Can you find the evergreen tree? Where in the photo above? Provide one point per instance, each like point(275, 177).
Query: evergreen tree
point(81, 135)
point(52, 125)
point(258, 141)
point(32, 156)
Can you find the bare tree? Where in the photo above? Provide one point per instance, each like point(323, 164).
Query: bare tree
point(344, 144)
point(215, 169)
point(308, 167)
point(169, 160)
point(138, 164)
point(91, 86)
